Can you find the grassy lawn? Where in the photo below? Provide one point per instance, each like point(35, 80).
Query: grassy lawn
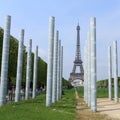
point(80, 91)
point(101, 92)
point(34, 109)
point(64, 109)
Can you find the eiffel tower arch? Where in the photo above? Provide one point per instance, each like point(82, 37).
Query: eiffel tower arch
point(78, 61)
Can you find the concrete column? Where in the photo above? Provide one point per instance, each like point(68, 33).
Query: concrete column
point(115, 72)
point(110, 73)
point(89, 70)
point(19, 67)
point(55, 60)
point(61, 71)
point(85, 73)
point(28, 72)
point(93, 64)
point(5, 59)
point(58, 75)
point(50, 61)
point(35, 72)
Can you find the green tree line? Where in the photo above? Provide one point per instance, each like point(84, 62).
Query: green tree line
point(12, 69)
point(66, 84)
point(104, 83)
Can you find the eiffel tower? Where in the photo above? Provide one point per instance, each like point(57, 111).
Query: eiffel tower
point(78, 62)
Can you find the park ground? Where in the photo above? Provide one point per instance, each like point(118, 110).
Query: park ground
point(70, 107)
point(106, 110)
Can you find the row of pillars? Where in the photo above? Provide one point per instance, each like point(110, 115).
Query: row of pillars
point(4, 65)
point(90, 74)
point(55, 65)
point(115, 59)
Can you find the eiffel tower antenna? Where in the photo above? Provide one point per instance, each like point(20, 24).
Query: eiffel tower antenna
point(78, 61)
point(78, 21)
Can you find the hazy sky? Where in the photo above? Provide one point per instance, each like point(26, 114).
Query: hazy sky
point(33, 15)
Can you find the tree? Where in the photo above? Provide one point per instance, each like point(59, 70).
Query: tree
point(12, 69)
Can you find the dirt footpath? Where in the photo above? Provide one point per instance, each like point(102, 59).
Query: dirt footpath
point(106, 110)
point(105, 106)
point(84, 113)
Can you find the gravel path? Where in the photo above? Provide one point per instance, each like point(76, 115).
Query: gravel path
point(112, 109)
point(106, 109)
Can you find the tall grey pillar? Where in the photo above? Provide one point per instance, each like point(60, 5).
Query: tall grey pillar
point(55, 60)
point(110, 73)
point(93, 64)
point(28, 72)
point(84, 77)
point(115, 71)
point(50, 61)
point(19, 67)
point(58, 75)
point(89, 70)
point(61, 71)
point(35, 72)
point(85, 73)
point(5, 59)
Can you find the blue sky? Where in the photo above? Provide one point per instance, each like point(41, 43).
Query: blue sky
point(33, 17)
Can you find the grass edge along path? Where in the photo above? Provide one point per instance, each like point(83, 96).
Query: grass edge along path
point(84, 112)
point(35, 109)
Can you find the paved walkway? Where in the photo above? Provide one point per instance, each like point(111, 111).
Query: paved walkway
point(105, 106)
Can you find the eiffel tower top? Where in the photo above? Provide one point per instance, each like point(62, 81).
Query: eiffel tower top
point(78, 53)
point(78, 27)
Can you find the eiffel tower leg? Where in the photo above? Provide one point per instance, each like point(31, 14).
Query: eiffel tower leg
point(74, 69)
point(81, 69)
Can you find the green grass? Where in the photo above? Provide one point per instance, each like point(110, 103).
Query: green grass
point(101, 92)
point(80, 91)
point(34, 109)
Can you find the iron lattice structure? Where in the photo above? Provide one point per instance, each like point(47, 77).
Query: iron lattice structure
point(78, 62)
